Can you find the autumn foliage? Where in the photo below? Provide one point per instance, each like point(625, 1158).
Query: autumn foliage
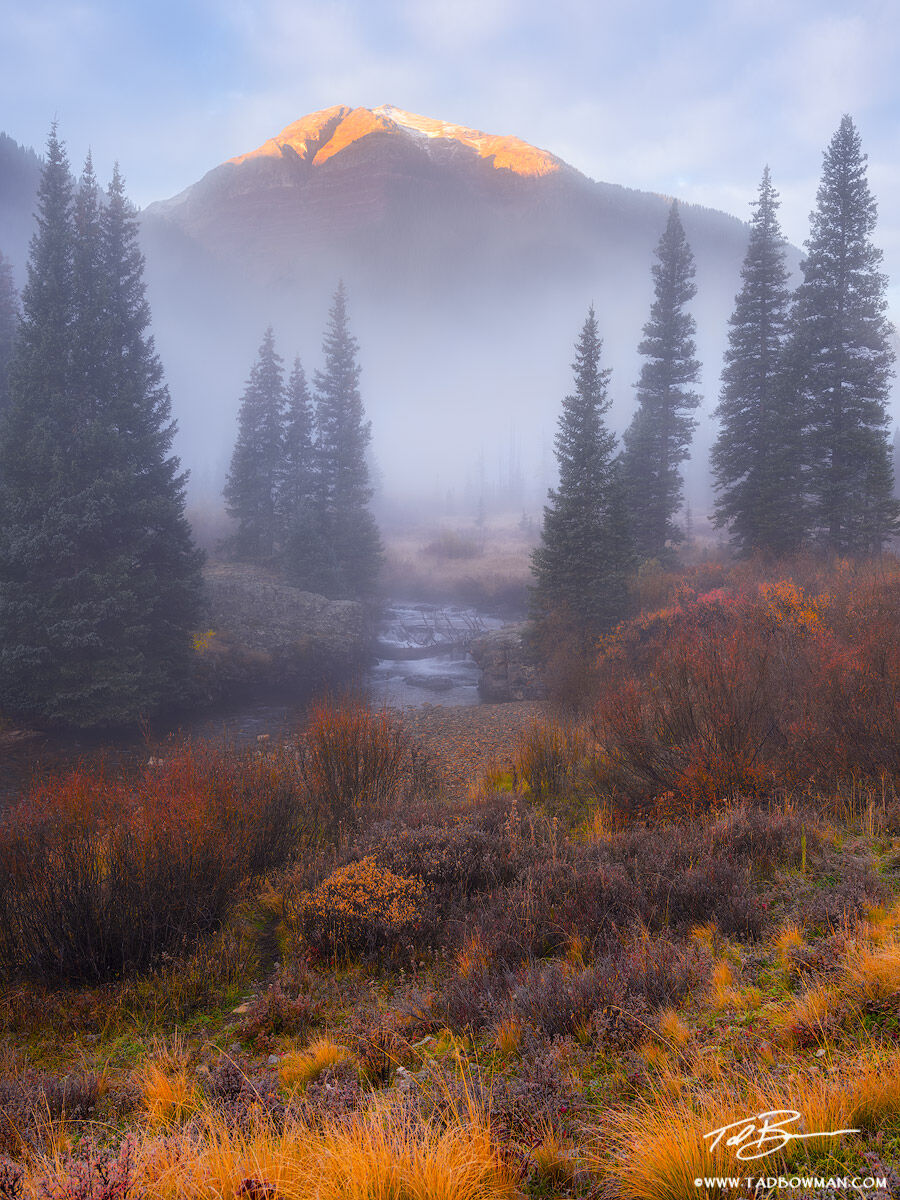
point(752, 686)
point(361, 908)
point(353, 763)
point(101, 873)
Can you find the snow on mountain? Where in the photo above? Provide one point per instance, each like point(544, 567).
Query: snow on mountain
point(319, 136)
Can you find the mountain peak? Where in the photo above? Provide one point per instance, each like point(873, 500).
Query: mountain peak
point(321, 135)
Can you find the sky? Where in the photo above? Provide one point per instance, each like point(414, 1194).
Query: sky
point(687, 98)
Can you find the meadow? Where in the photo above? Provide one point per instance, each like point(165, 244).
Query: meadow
point(371, 963)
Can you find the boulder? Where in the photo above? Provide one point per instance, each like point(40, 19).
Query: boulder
point(263, 633)
point(508, 670)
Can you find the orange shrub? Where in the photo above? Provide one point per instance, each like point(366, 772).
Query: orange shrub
point(359, 909)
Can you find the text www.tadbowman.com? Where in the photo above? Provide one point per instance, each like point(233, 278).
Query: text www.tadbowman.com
point(757, 1183)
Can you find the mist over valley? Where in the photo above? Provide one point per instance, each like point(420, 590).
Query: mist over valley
point(469, 262)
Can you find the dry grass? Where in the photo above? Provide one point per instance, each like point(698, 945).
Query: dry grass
point(301, 1067)
point(788, 942)
point(722, 985)
point(870, 978)
point(500, 573)
point(656, 1149)
point(508, 1036)
point(882, 923)
point(380, 1155)
point(553, 1160)
point(866, 981)
point(673, 1030)
point(811, 1017)
point(168, 1097)
point(875, 1092)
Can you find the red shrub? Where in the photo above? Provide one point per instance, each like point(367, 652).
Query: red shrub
point(725, 693)
point(353, 763)
point(99, 873)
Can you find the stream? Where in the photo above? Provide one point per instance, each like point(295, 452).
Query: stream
point(423, 655)
point(421, 658)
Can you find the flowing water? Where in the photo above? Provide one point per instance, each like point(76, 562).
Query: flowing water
point(422, 658)
point(423, 655)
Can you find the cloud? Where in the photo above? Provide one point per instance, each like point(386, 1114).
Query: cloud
point(656, 94)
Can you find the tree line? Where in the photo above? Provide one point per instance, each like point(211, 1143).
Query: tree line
point(298, 487)
point(802, 458)
point(100, 581)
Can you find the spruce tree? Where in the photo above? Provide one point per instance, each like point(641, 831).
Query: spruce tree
point(306, 560)
point(343, 437)
point(251, 490)
point(657, 441)
point(9, 320)
point(90, 297)
point(757, 456)
point(99, 581)
point(585, 553)
point(154, 565)
point(841, 341)
point(39, 619)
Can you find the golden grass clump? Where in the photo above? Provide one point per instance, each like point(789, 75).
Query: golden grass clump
point(552, 1160)
point(658, 1150)
point(868, 980)
point(812, 1016)
point(378, 1154)
point(301, 1067)
point(705, 936)
point(871, 977)
point(576, 951)
point(508, 1036)
point(168, 1096)
point(882, 923)
point(655, 1055)
point(722, 984)
point(875, 1091)
point(787, 943)
point(673, 1029)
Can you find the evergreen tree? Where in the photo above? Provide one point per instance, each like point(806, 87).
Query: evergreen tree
point(585, 553)
point(841, 339)
point(306, 558)
point(90, 298)
point(37, 616)
point(155, 567)
point(343, 436)
point(657, 441)
point(99, 581)
point(757, 457)
point(251, 490)
point(9, 320)
point(298, 468)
